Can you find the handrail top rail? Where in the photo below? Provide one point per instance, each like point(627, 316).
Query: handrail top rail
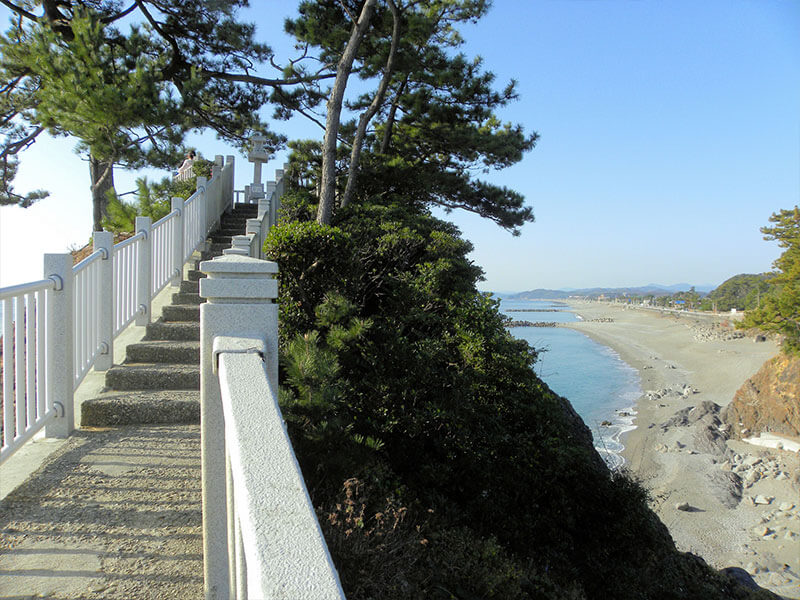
point(131, 240)
point(27, 288)
point(166, 218)
point(195, 196)
point(255, 446)
point(98, 254)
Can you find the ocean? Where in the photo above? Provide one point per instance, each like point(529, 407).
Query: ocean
point(600, 385)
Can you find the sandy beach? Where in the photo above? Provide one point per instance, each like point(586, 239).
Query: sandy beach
point(751, 521)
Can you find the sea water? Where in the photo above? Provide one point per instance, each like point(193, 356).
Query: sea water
point(600, 386)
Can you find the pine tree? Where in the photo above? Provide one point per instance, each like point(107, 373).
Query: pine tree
point(129, 97)
point(780, 310)
point(433, 109)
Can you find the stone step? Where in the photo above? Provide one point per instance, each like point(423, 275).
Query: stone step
point(173, 330)
point(221, 239)
point(231, 231)
point(149, 376)
point(111, 409)
point(187, 299)
point(164, 351)
point(195, 274)
point(234, 222)
point(190, 287)
point(206, 256)
point(244, 209)
point(182, 312)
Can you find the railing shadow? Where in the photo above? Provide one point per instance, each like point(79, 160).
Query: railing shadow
point(131, 533)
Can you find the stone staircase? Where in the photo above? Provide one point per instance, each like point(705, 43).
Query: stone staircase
point(159, 380)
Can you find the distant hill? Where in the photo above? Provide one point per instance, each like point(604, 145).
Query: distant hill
point(645, 290)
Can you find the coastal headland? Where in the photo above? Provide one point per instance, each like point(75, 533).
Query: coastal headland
point(733, 503)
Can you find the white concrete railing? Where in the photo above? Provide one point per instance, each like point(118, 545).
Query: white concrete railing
point(185, 175)
point(56, 329)
point(261, 538)
point(269, 202)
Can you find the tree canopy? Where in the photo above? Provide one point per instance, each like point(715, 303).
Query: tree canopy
point(129, 97)
point(429, 123)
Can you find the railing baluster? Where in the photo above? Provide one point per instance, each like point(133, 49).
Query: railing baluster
point(84, 322)
point(9, 427)
point(41, 354)
point(19, 362)
point(30, 357)
point(92, 329)
point(123, 285)
point(131, 295)
point(78, 310)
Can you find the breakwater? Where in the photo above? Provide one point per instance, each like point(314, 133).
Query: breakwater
point(531, 324)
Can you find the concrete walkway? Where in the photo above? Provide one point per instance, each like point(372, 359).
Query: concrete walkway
point(113, 514)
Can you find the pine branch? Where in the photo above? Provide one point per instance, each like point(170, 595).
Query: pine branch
point(16, 147)
point(112, 18)
point(246, 78)
point(19, 10)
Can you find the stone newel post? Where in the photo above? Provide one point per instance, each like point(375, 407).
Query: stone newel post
point(240, 293)
point(59, 335)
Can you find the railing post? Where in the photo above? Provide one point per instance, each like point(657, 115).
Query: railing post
point(202, 186)
point(263, 205)
point(229, 160)
point(280, 186)
point(104, 241)
point(271, 187)
point(177, 243)
point(59, 345)
point(240, 293)
point(144, 281)
point(240, 245)
point(220, 205)
point(253, 226)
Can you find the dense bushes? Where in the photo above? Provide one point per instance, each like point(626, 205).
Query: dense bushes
point(401, 379)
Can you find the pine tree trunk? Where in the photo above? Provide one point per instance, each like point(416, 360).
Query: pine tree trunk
point(387, 133)
point(327, 194)
point(102, 175)
point(377, 101)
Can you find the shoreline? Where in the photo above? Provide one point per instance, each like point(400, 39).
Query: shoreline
point(679, 367)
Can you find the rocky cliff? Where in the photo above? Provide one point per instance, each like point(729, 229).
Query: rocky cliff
point(769, 401)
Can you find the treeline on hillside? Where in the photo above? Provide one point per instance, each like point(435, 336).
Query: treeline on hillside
point(741, 292)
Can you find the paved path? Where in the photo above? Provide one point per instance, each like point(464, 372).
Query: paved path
point(114, 514)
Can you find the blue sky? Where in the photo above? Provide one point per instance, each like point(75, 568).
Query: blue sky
point(670, 131)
